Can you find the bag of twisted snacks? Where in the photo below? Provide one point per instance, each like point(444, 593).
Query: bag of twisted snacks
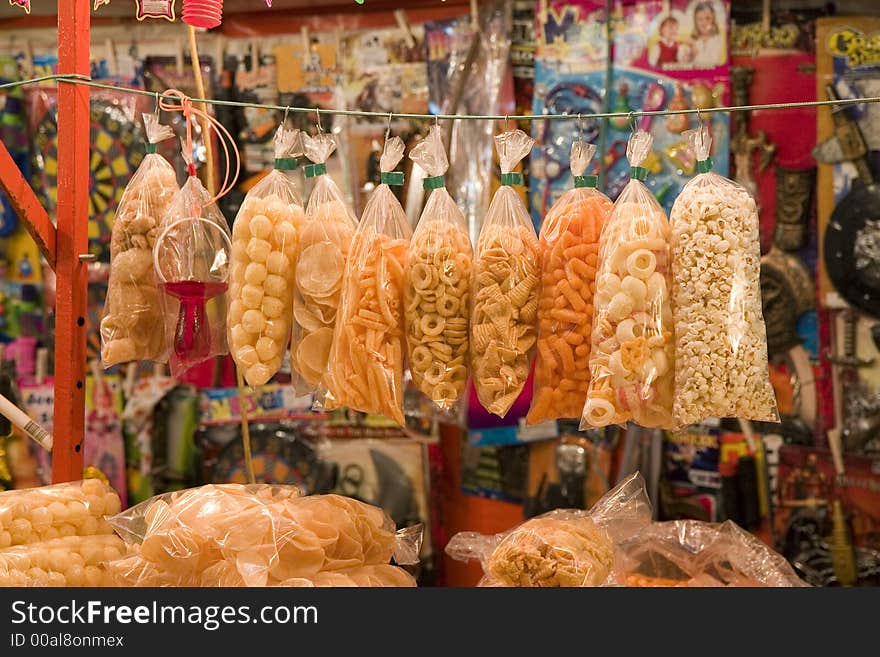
point(324, 245)
point(132, 309)
point(365, 369)
point(569, 249)
point(721, 365)
point(562, 548)
point(631, 358)
point(265, 238)
point(505, 297)
point(438, 284)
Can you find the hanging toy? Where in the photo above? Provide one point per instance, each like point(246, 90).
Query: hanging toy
point(655, 96)
point(202, 13)
point(678, 122)
point(621, 106)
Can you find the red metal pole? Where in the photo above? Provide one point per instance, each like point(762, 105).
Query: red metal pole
point(27, 206)
point(71, 241)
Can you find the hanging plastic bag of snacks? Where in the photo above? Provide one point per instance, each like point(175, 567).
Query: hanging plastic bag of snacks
point(505, 302)
point(132, 309)
point(569, 244)
point(323, 251)
point(631, 359)
point(720, 339)
point(265, 239)
point(365, 370)
point(438, 285)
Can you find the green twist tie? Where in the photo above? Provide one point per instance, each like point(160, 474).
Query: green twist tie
point(434, 182)
point(286, 163)
point(704, 166)
point(514, 178)
point(313, 170)
point(638, 173)
point(151, 148)
point(392, 178)
point(586, 181)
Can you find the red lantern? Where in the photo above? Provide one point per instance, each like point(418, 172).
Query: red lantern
point(203, 13)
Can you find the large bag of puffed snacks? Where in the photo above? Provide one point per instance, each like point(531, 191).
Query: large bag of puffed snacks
point(721, 342)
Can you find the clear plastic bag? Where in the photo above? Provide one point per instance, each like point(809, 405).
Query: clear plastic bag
point(132, 309)
point(631, 359)
point(569, 248)
point(265, 239)
point(721, 367)
point(380, 575)
point(365, 368)
point(72, 561)
point(438, 289)
point(253, 535)
point(323, 252)
point(562, 548)
point(505, 297)
point(695, 553)
point(29, 515)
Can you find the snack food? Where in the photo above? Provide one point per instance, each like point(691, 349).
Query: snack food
point(631, 360)
point(132, 309)
point(504, 313)
point(721, 365)
point(569, 248)
point(378, 575)
point(365, 367)
point(71, 561)
point(438, 284)
point(261, 280)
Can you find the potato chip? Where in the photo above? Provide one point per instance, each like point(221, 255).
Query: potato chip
point(320, 268)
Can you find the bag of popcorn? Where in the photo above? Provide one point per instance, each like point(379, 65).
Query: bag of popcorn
point(505, 302)
point(721, 343)
point(631, 360)
point(265, 239)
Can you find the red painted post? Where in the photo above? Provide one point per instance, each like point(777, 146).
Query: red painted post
point(71, 241)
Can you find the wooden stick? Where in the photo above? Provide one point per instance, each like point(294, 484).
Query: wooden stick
point(245, 429)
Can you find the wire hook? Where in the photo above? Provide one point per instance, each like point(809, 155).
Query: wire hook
point(286, 112)
point(318, 117)
point(580, 127)
point(156, 111)
point(388, 128)
point(632, 122)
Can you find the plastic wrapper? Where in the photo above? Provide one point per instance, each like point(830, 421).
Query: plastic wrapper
point(380, 575)
point(562, 548)
point(29, 515)
point(365, 368)
point(631, 360)
point(438, 285)
point(721, 367)
point(265, 240)
point(132, 309)
point(191, 258)
point(569, 249)
point(323, 252)
point(695, 553)
point(505, 301)
point(255, 535)
point(71, 561)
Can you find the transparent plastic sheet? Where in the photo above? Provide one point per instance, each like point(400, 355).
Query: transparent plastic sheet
point(365, 367)
point(695, 553)
point(721, 365)
point(72, 561)
point(132, 309)
point(323, 252)
point(438, 288)
point(505, 297)
point(265, 240)
point(28, 515)
point(569, 250)
point(253, 535)
point(631, 359)
point(562, 548)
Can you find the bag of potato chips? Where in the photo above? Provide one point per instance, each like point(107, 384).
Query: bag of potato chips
point(365, 370)
point(323, 251)
point(265, 238)
point(438, 284)
point(132, 309)
point(505, 302)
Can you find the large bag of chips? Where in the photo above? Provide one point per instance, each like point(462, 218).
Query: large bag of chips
point(438, 284)
point(720, 340)
point(265, 240)
point(505, 302)
point(631, 360)
point(569, 247)
point(132, 310)
point(365, 369)
point(323, 251)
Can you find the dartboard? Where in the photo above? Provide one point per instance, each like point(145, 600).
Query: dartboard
point(115, 152)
